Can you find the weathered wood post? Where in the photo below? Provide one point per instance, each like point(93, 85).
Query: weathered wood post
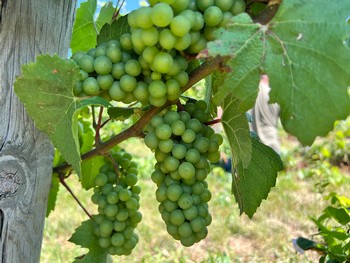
point(27, 28)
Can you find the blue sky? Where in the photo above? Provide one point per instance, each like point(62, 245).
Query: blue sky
point(129, 5)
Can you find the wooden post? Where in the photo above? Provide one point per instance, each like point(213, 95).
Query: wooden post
point(27, 28)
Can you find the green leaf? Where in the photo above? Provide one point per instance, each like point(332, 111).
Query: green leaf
point(307, 244)
point(236, 127)
point(105, 16)
point(54, 187)
point(84, 236)
point(339, 214)
point(241, 43)
point(120, 113)
point(46, 90)
point(114, 31)
point(86, 136)
point(84, 29)
point(313, 76)
point(309, 76)
point(96, 101)
point(252, 184)
point(89, 169)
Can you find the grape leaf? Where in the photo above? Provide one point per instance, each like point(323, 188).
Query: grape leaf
point(114, 30)
point(86, 136)
point(96, 101)
point(46, 90)
point(84, 29)
point(54, 187)
point(105, 16)
point(309, 76)
point(245, 50)
point(120, 113)
point(89, 169)
point(235, 124)
point(84, 236)
point(252, 184)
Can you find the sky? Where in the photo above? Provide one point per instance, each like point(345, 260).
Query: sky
point(129, 5)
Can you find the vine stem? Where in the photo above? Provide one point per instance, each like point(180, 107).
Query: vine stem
point(213, 122)
point(63, 182)
point(135, 130)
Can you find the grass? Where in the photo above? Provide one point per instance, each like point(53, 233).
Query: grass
point(232, 238)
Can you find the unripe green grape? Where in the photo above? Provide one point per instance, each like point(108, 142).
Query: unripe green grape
point(161, 195)
point(130, 179)
point(162, 62)
point(180, 5)
point(133, 67)
point(156, 75)
point(141, 92)
point(106, 227)
point(167, 39)
point(100, 51)
point(112, 198)
point(179, 151)
point(86, 63)
point(188, 241)
point(188, 136)
point(190, 107)
point(186, 170)
point(177, 217)
point(238, 7)
point(213, 157)
point(126, 57)
point(192, 155)
point(161, 14)
point(198, 224)
point(132, 203)
point(200, 45)
point(183, 63)
point(116, 92)
point(136, 189)
point(186, 188)
point(191, 213)
point(102, 202)
point(226, 18)
point(213, 16)
point(172, 229)
point(170, 117)
point(143, 17)
point(184, 116)
point(90, 86)
point(118, 70)
point(166, 146)
point(104, 242)
point(201, 144)
point(168, 181)
point(107, 188)
point(180, 25)
point(174, 192)
point(175, 175)
point(185, 201)
point(173, 89)
point(149, 53)
point(95, 197)
point(165, 215)
point(137, 43)
point(170, 206)
point(150, 36)
point(163, 131)
point(91, 52)
point(201, 116)
point(171, 163)
point(178, 128)
point(224, 5)
point(182, 77)
point(152, 141)
point(157, 89)
point(105, 82)
point(83, 75)
point(124, 194)
point(132, 18)
point(125, 41)
point(78, 88)
point(194, 125)
point(205, 196)
point(157, 177)
point(111, 210)
point(189, 181)
point(77, 56)
point(183, 42)
point(122, 215)
point(103, 65)
point(209, 33)
point(218, 138)
point(185, 230)
point(204, 4)
point(117, 239)
point(157, 120)
point(128, 83)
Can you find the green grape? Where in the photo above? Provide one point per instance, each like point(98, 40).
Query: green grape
point(100, 50)
point(104, 242)
point(86, 63)
point(143, 17)
point(90, 86)
point(149, 53)
point(188, 136)
point(125, 41)
point(185, 230)
point(163, 131)
point(103, 65)
point(125, 194)
point(171, 163)
point(118, 70)
point(185, 201)
point(128, 83)
point(182, 77)
point(111, 210)
point(157, 89)
point(133, 67)
point(213, 16)
point(198, 224)
point(180, 5)
point(186, 170)
point(178, 127)
point(191, 212)
point(166, 146)
point(197, 47)
point(131, 179)
point(149, 36)
point(180, 25)
point(105, 82)
point(170, 206)
point(162, 62)
point(177, 217)
point(78, 88)
point(112, 198)
point(151, 141)
point(204, 4)
point(107, 188)
point(183, 42)
point(174, 192)
point(114, 54)
point(179, 151)
point(161, 14)
point(161, 194)
point(192, 156)
point(117, 239)
point(101, 179)
point(116, 92)
point(238, 7)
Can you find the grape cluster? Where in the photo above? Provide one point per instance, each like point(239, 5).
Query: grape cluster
point(183, 147)
point(117, 197)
